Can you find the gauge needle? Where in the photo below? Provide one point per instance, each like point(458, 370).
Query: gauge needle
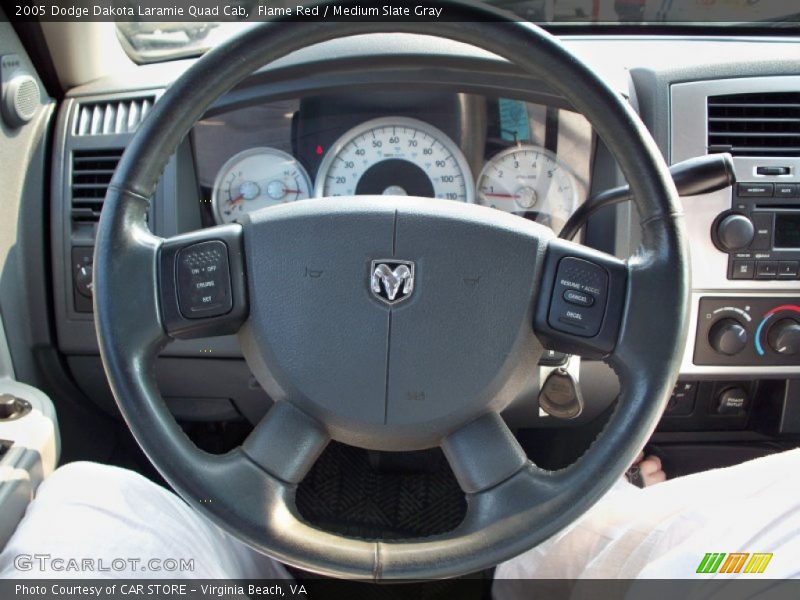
point(498, 195)
point(236, 200)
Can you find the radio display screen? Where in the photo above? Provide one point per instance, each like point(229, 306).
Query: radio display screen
point(787, 230)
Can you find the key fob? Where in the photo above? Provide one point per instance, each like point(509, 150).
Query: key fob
point(560, 396)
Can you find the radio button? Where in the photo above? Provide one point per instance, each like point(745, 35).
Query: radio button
point(758, 190)
point(743, 269)
point(787, 269)
point(773, 170)
point(735, 232)
point(766, 269)
point(786, 190)
point(762, 222)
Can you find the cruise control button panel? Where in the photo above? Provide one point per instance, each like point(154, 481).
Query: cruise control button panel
point(579, 297)
point(203, 277)
point(581, 300)
point(202, 283)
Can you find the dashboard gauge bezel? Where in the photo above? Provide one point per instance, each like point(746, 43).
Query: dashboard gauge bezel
point(244, 154)
point(390, 121)
point(553, 156)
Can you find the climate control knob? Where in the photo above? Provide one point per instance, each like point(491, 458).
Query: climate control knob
point(784, 337)
point(727, 336)
point(735, 232)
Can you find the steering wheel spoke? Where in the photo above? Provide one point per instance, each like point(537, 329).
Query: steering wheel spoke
point(483, 453)
point(286, 442)
point(581, 300)
point(202, 288)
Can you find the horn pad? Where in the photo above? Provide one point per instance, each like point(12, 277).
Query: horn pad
point(391, 319)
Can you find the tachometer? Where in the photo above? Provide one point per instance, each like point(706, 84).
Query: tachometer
point(257, 178)
point(529, 180)
point(395, 156)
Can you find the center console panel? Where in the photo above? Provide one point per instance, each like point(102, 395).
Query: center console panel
point(745, 240)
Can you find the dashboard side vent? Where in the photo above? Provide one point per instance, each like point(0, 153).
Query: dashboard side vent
point(113, 116)
point(91, 174)
point(761, 124)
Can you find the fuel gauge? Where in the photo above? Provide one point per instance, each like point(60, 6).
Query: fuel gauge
point(257, 178)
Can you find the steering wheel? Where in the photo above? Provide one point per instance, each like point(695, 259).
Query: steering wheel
point(306, 286)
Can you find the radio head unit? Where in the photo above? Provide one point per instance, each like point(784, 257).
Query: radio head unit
point(761, 232)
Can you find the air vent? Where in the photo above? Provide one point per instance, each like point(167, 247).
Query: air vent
point(91, 174)
point(112, 117)
point(765, 124)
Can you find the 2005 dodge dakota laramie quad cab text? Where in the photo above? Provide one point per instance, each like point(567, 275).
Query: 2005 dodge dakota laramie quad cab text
point(492, 293)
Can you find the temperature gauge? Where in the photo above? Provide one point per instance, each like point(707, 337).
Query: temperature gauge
point(258, 178)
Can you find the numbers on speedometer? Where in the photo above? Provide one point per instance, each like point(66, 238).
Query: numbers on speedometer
point(395, 156)
point(529, 180)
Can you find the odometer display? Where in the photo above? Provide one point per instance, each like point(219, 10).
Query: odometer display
point(395, 156)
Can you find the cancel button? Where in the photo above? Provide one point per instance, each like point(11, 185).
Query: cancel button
point(578, 298)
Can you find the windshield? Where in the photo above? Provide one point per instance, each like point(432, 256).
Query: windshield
point(148, 38)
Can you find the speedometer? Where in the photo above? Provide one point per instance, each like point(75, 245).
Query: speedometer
point(395, 156)
point(529, 180)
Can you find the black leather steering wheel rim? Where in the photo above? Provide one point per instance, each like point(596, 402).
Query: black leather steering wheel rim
point(250, 490)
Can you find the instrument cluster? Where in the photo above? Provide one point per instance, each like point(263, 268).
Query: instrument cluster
point(400, 155)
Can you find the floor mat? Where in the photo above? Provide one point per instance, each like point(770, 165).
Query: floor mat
point(347, 494)
point(385, 496)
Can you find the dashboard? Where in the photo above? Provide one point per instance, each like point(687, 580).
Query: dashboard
point(399, 115)
point(527, 159)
